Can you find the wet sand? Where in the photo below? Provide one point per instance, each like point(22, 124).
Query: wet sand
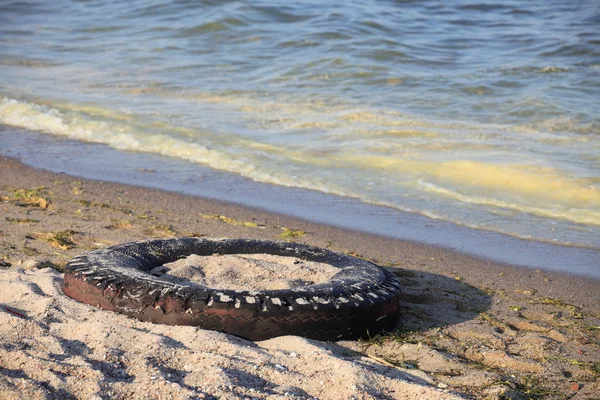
point(469, 326)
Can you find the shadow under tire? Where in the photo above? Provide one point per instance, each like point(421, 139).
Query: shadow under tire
point(361, 300)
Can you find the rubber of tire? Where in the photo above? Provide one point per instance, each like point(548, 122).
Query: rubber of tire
point(361, 300)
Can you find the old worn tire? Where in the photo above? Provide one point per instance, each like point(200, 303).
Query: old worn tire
point(360, 300)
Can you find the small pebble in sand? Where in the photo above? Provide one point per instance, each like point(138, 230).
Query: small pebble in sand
point(246, 271)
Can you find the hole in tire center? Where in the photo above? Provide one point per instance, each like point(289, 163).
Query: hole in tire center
point(246, 271)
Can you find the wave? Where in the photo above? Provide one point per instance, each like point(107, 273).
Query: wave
point(136, 136)
point(385, 156)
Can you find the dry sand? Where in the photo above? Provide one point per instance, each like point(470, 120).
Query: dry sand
point(54, 347)
point(247, 272)
point(468, 327)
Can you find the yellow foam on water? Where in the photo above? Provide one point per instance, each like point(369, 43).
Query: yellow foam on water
point(325, 125)
point(360, 116)
point(400, 133)
point(96, 111)
point(373, 118)
point(543, 183)
point(507, 208)
point(545, 186)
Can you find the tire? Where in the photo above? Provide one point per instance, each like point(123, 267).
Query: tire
point(360, 300)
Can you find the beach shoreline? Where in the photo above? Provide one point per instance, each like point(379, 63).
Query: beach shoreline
point(382, 248)
point(102, 163)
point(484, 323)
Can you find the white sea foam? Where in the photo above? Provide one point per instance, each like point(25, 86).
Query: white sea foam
point(136, 137)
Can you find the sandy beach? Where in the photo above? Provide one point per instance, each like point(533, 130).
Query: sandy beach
point(469, 327)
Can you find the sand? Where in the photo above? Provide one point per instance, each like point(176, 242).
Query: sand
point(54, 347)
point(246, 272)
point(468, 327)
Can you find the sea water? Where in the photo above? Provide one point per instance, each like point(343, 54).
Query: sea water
point(481, 113)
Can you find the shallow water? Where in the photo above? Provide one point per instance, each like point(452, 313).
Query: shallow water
point(484, 114)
